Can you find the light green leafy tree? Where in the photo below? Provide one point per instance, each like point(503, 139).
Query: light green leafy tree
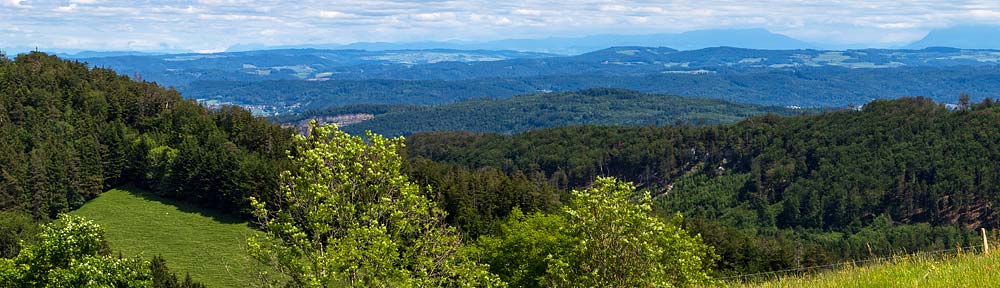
point(348, 216)
point(519, 253)
point(605, 237)
point(68, 254)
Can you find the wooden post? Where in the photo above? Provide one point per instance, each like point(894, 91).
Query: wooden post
point(986, 245)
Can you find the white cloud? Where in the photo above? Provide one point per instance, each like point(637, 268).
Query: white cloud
point(985, 14)
point(210, 24)
point(334, 14)
point(639, 9)
point(225, 2)
point(436, 16)
point(13, 3)
point(69, 8)
point(232, 17)
point(527, 12)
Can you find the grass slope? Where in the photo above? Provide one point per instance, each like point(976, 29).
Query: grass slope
point(960, 271)
point(209, 246)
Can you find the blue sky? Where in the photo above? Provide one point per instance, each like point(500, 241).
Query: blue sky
point(214, 25)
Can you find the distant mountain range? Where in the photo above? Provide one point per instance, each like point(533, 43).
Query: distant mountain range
point(965, 37)
point(81, 53)
point(698, 39)
point(444, 64)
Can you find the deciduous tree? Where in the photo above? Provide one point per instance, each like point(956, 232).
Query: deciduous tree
point(347, 216)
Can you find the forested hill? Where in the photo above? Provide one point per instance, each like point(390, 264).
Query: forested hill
point(546, 110)
point(69, 132)
point(782, 191)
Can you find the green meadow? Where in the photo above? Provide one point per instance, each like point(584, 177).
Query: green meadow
point(208, 245)
point(967, 270)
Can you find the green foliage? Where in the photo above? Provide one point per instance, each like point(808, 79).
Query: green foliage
point(619, 244)
point(478, 200)
point(68, 254)
point(779, 192)
point(15, 226)
point(348, 216)
point(605, 237)
point(519, 252)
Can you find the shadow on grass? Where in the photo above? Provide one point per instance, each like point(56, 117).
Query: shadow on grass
point(218, 216)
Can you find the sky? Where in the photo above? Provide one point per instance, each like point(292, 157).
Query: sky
point(214, 25)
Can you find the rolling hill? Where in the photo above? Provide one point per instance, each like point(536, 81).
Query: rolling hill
point(545, 110)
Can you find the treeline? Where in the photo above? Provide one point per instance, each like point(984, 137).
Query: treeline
point(780, 192)
point(478, 200)
point(598, 106)
point(68, 132)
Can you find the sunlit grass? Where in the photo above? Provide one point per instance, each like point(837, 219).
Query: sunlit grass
point(968, 270)
point(208, 245)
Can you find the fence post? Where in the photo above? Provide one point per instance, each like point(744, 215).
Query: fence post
point(986, 245)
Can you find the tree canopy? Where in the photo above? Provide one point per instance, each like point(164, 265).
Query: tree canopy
point(778, 192)
point(349, 216)
point(605, 237)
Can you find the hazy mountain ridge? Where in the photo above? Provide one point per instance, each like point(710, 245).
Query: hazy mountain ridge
point(690, 40)
point(442, 64)
point(966, 37)
point(286, 64)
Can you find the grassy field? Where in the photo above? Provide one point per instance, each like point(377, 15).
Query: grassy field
point(192, 240)
point(968, 270)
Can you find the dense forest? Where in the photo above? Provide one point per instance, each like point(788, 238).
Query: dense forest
point(68, 132)
point(528, 112)
point(778, 192)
